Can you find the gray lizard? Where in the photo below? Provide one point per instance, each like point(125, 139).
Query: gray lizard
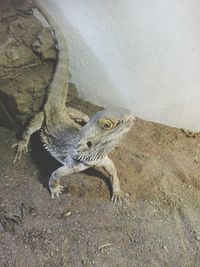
point(76, 147)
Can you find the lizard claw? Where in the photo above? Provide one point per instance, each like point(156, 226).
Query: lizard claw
point(21, 148)
point(56, 191)
point(119, 198)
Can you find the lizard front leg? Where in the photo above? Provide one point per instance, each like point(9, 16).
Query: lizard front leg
point(34, 125)
point(117, 194)
point(54, 182)
point(77, 115)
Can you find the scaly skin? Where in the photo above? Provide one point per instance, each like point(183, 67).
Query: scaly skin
point(75, 147)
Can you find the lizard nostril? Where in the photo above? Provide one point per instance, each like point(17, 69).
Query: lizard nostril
point(89, 144)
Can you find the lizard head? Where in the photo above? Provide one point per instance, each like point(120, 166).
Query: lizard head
point(102, 133)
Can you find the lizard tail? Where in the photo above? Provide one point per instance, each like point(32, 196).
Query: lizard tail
point(59, 85)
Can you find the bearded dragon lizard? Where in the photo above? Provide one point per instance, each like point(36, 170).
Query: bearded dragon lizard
point(76, 147)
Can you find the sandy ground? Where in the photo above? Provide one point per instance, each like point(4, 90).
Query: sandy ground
point(158, 166)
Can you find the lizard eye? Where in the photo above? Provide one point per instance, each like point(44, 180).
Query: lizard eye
point(89, 144)
point(106, 124)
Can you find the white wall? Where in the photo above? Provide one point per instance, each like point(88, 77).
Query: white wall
point(140, 54)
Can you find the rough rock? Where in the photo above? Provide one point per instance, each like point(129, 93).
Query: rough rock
point(27, 58)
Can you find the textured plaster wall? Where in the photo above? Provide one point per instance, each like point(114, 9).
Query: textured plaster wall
point(139, 54)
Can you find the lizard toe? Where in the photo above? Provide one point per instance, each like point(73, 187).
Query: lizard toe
point(56, 191)
point(119, 198)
